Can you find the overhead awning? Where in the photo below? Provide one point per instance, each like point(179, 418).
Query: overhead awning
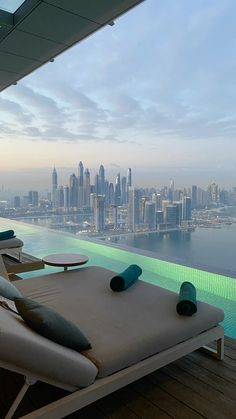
point(40, 30)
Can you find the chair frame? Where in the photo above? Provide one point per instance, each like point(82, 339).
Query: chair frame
point(80, 398)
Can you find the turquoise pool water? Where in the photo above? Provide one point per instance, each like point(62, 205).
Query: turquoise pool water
point(212, 288)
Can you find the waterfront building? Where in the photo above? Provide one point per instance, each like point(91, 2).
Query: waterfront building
point(156, 198)
point(33, 199)
point(179, 210)
point(144, 199)
point(80, 185)
point(159, 218)
point(150, 215)
point(164, 204)
point(73, 191)
point(54, 186)
point(171, 215)
point(123, 190)
point(86, 189)
point(213, 190)
point(99, 213)
point(118, 190)
point(171, 191)
point(187, 209)
point(133, 208)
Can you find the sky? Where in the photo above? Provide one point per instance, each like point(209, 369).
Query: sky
point(155, 92)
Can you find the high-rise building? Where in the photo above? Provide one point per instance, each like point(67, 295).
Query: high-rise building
point(101, 180)
point(33, 198)
point(129, 181)
point(107, 193)
point(66, 191)
point(17, 202)
point(54, 186)
point(115, 215)
point(80, 185)
point(99, 212)
point(159, 218)
point(86, 189)
point(187, 209)
point(123, 190)
point(171, 191)
point(111, 194)
point(118, 190)
point(194, 196)
point(171, 215)
point(133, 208)
point(73, 191)
point(150, 215)
point(156, 198)
point(60, 197)
point(96, 184)
point(179, 209)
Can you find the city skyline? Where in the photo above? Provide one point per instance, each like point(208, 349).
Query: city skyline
point(133, 94)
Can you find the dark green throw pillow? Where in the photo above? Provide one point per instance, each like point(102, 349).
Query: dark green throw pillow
point(51, 324)
point(8, 290)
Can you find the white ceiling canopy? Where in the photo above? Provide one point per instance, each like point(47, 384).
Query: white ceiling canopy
point(39, 30)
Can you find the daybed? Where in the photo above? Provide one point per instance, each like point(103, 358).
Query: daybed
point(132, 333)
point(12, 246)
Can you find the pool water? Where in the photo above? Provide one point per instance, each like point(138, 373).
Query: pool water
point(212, 288)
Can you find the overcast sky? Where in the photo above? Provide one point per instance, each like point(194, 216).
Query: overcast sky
point(155, 92)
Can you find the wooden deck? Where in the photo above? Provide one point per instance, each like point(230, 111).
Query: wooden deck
point(28, 263)
point(196, 386)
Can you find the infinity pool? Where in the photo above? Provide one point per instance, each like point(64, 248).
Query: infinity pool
point(212, 288)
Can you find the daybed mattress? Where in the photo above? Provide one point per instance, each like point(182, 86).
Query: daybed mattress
point(124, 327)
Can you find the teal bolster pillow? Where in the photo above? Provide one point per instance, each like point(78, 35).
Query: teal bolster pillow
point(8, 290)
point(6, 235)
point(51, 324)
point(187, 304)
point(126, 278)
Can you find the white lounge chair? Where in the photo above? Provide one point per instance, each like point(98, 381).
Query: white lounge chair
point(12, 247)
point(132, 333)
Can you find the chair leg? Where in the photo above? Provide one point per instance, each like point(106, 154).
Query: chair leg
point(217, 353)
point(19, 397)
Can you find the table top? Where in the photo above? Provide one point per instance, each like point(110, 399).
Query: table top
point(65, 259)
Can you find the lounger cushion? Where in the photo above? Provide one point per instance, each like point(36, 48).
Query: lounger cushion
point(124, 327)
point(8, 290)
point(11, 243)
point(51, 325)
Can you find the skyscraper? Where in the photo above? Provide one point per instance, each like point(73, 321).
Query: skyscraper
point(99, 212)
point(101, 180)
point(187, 209)
point(86, 188)
point(80, 185)
point(150, 215)
point(123, 190)
point(73, 191)
point(117, 190)
point(133, 208)
point(129, 182)
point(54, 186)
point(66, 192)
point(194, 196)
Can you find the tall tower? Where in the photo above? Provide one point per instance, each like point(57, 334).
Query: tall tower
point(87, 188)
point(187, 210)
point(99, 212)
point(123, 190)
point(133, 208)
point(129, 182)
point(73, 191)
point(117, 190)
point(80, 185)
point(54, 186)
point(101, 180)
point(150, 215)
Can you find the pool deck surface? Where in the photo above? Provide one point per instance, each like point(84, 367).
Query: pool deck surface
point(196, 386)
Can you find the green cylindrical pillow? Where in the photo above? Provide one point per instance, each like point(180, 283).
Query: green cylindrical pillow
point(187, 304)
point(126, 278)
point(8, 234)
